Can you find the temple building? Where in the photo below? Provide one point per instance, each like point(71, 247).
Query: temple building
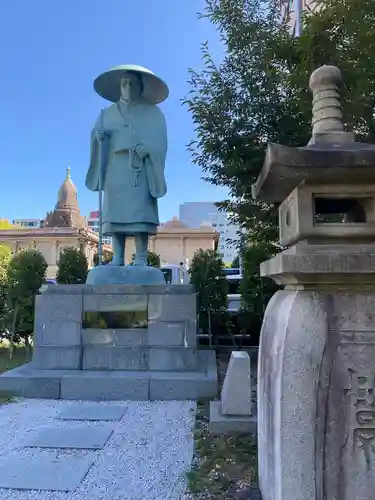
point(175, 242)
point(64, 227)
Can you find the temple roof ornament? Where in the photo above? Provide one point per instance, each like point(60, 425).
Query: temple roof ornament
point(66, 212)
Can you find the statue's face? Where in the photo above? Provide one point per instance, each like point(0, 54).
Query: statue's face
point(130, 87)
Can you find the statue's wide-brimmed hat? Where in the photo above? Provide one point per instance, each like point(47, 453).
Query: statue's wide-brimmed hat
point(107, 85)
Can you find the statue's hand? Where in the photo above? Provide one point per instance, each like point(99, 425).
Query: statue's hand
point(141, 150)
point(101, 135)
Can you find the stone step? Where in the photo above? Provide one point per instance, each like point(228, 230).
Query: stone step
point(42, 473)
point(100, 385)
point(80, 438)
point(108, 357)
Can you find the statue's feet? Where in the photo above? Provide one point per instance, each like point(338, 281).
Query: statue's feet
point(140, 262)
point(116, 262)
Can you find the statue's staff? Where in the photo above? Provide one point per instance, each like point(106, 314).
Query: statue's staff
point(101, 140)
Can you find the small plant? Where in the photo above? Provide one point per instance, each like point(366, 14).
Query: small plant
point(209, 280)
point(153, 259)
point(107, 258)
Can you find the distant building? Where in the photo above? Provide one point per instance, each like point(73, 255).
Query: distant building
point(174, 241)
point(27, 222)
point(294, 9)
point(63, 227)
point(205, 213)
point(177, 243)
point(93, 224)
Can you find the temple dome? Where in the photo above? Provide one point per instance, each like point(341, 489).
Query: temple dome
point(174, 224)
point(66, 212)
point(67, 197)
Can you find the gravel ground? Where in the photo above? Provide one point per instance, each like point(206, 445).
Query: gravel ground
point(145, 458)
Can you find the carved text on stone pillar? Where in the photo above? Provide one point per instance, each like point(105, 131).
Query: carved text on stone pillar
point(361, 390)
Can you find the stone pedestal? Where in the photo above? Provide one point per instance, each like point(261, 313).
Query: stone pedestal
point(115, 342)
point(316, 365)
point(316, 375)
point(236, 391)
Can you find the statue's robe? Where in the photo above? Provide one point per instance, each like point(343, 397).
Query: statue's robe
point(129, 206)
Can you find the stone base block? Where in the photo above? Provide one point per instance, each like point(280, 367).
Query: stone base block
point(172, 358)
point(57, 357)
point(233, 424)
point(236, 391)
point(101, 357)
point(130, 337)
point(104, 357)
point(187, 385)
point(125, 275)
point(173, 333)
point(105, 386)
point(27, 381)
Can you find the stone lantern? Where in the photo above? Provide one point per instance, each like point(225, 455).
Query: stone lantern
point(316, 368)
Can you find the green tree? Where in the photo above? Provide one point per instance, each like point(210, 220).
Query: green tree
point(240, 105)
point(236, 262)
point(5, 258)
point(255, 290)
point(210, 283)
point(26, 274)
point(258, 93)
point(107, 257)
point(342, 34)
point(72, 267)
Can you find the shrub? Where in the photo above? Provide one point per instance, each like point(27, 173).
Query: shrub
point(25, 275)
point(72, 267)
point(153, 259)
point(209, 280)
point(5, 258)
point(107, 258)
point(255, 290)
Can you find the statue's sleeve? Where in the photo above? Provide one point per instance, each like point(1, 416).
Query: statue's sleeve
point(92, 176)
point(157, 144)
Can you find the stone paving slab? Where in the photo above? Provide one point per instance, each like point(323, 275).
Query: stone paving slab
point(91, 412)
point(84, 438)
point(57, 474)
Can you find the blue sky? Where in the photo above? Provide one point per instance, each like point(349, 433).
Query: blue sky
point(51, 51)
